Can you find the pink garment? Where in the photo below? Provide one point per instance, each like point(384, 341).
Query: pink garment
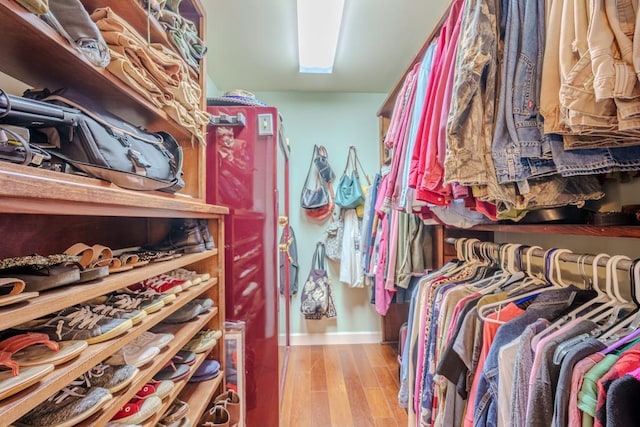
point(489, 329)
point(383, 296)
point(399, 140)
point(454, 316)
point(577, 376)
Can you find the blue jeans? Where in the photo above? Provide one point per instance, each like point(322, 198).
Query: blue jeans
point(594, 161)
point(519, 125)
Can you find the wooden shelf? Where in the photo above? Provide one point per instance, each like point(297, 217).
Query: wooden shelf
point(65, 68)
point(180, 387)
point(564, 229)
point(183, 333)
point(199, 395)
point(57, 299)
point(18, 405)
point(22, 191)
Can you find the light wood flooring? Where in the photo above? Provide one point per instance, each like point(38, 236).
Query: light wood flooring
point(342, 386)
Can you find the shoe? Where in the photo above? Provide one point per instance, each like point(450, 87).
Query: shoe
point(184, 357)
point(203, 341)
point(182, 422)
point(217, 416)
point(150, 302)
point(67, 408)
point(155, 339)
point(159, 389)
point(137, 411)
point(162, 283)
point(113, 378)
point(231, 401)
point(172, 372)
point(184, 274)
point(149, 293)
point(189, 311)
point(184, 236)
point(206, 234)
point(208, 370)
point(78, 323)
point(134, 355)
point(176, 411)
point(109, 310)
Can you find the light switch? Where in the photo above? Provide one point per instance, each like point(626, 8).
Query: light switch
point(265, 124)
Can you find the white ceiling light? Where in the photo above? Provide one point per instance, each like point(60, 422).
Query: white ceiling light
point(318, 30)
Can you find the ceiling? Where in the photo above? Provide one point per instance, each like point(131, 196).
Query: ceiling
point(253, 44)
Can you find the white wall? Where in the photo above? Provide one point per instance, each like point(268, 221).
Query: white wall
point(335, 120)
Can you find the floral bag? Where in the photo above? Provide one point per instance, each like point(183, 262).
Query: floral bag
point(316, 300)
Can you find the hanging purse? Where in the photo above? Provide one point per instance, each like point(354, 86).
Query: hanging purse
point(319, 196)
point(333, 239)
point(316, 300)
point(349, 193)
point(321, 160)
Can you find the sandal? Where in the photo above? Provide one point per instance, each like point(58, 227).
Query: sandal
point(86, 254)
point(208, 370)
point(184, 357)
point(11, 291)
point(177, 410)
point(172, 372)
point(103, 256)
point(42, 278)
point(11, 384)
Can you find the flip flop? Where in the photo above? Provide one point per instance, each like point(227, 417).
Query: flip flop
point(41, 354)
point(172, 372)
point(11, 291)
point(132, 260)
point(103, 256)
point(11, 384)
point(86, 253)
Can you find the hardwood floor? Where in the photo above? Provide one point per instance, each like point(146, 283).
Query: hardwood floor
point(342, 386)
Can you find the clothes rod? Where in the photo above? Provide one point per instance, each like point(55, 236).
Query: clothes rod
point(567, 257)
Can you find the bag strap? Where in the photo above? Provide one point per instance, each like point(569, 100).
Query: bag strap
point(311, 166)
point(356, 163)
point(318, 257)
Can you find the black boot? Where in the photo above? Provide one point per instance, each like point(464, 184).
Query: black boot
point(184, 236)
point(206, 234)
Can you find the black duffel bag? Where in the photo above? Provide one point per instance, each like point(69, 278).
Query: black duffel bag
point(107, 147)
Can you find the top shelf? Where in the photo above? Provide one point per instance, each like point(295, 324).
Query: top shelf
point(35, 191)
point(564, 229)
point(49, 51)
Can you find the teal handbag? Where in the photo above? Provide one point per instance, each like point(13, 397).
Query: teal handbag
point(349, 194)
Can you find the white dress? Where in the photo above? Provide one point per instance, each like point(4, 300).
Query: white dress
point(350, 270)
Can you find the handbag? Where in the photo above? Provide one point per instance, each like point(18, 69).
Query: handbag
point(104, 146)
point(349, 193)
point(319, 196)
point(333, 238)
point(321, 160)
point(15, 147)
point(316, 300)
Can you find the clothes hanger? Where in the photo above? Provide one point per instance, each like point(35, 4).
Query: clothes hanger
point(503, 277)
point(631, 322)
point(613, 291)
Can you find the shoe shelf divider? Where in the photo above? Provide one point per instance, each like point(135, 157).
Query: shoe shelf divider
point(55, 300)
point(183, 333)
point(197, 400)
point(16, 406)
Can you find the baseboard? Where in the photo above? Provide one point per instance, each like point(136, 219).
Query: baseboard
point(333, 338)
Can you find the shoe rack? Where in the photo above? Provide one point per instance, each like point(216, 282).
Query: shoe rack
point(46, 212)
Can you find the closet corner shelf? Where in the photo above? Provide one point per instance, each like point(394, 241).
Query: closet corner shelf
point(66, 68)
point(563, 229)
point(23, 191)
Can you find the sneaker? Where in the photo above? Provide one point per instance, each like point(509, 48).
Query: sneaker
point(68, 407)
point(163, 284)
point(159, 389)
point(150, 301)
point(203, 341)
point(147, 293)
point(109, 310)
point(113, 378)
point(133, 355)
point(78, 323)
point(155, 339)
point(184, 274)
point(189, 311)
point(137, 411)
